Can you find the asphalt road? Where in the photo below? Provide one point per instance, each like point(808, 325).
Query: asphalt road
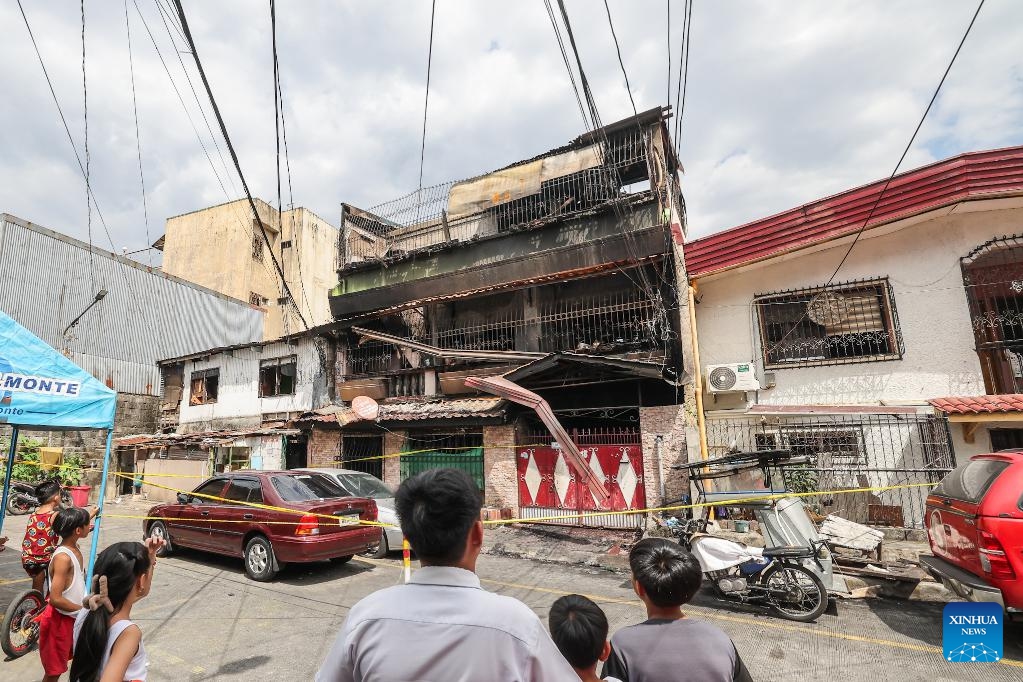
point(204, 620)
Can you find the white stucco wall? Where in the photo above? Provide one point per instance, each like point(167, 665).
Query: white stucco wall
point(922, 264)
point(238, 392)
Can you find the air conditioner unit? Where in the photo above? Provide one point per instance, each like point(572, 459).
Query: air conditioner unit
point(736, 377)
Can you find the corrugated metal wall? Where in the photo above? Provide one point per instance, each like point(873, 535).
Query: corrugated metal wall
point(147, 316)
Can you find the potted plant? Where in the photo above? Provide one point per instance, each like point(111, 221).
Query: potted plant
point(70, 476)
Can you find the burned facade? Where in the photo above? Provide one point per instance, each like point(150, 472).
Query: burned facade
point(560, 273)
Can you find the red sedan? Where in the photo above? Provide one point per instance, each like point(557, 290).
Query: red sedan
point(324, 522)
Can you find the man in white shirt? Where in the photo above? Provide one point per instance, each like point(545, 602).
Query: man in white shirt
point(442, 626)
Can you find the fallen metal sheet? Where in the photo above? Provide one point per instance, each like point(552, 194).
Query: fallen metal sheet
point(516, 394)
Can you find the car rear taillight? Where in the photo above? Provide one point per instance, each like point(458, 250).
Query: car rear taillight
point(369, 513)
point(308, 525)
point(992, 557)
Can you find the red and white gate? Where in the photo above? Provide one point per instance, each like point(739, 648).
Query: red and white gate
point(549, 487)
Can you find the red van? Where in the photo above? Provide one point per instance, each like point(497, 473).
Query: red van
point(975, 528)
point(324, 523)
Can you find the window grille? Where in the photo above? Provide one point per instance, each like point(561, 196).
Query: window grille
point(993, 278)
point(256, 299)
point(277, 377)
point(204, 387)
point(844, 323)
point(257, 248)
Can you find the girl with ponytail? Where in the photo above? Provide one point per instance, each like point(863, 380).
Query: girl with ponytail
point(108, 646)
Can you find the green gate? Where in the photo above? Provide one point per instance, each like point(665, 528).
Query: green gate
point(430, 451)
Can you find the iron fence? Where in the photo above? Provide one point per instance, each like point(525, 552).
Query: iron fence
point(362, 452)
point(850, 451)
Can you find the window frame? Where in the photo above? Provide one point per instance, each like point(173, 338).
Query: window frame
point(250, 484)
point(258, 248)
point(278, 364)
point(203, 375)
point(888, 314)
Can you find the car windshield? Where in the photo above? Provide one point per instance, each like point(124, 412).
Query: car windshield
point(303, 487)
point(364, 485)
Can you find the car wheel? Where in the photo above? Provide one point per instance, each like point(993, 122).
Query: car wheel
point(342, 559)
point(159, 530)
point(382, 549)
point(260, 562)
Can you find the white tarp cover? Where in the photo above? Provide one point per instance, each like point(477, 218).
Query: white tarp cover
point(717, 554)
point(500, 187)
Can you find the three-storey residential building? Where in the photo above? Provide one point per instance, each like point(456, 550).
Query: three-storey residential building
point(561, 274)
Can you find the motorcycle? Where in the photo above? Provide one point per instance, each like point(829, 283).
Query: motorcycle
point(775, 577)
point(22, 498)
point(793, 574)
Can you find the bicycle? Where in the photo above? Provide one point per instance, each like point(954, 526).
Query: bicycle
point(19, 633)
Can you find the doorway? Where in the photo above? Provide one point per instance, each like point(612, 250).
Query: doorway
point(295, 452)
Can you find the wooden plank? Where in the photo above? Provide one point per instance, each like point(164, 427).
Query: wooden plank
point(844, 533)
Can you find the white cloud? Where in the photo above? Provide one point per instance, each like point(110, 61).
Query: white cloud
point(786, 102)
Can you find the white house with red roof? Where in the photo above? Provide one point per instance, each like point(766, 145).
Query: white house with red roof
point(859, 368)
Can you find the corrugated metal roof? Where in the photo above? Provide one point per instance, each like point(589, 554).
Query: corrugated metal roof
point(981, 404)
point(203, 438)
point(46, 281)
point(975, 175)
point(414, 410)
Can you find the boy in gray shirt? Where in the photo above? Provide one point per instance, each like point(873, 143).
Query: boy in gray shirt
point(668, 645)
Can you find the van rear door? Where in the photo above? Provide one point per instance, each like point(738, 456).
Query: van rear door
point(952, 511)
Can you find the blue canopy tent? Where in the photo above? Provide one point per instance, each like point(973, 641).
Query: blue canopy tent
point(42, 389)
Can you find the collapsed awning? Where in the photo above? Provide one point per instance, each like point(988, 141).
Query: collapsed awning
point(516, 394)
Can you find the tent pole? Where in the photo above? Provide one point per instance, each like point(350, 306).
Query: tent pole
point(7, 475)
point(99, 503)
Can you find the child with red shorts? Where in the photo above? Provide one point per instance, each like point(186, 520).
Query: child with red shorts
point(67, 590)
point(40, 540)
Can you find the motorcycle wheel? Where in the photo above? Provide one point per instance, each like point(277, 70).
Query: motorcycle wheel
point(18, 505)
point(806, 598)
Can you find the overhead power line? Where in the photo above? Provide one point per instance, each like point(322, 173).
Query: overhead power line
point(426, 99)
point(568, 64)
point(683, 79)
point(138, 136)
point(884, 188)
point(618, 50)
point(234, 156)
point(88, 179)
point(74, 149)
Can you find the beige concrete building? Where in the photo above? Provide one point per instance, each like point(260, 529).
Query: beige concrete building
point(222, 248)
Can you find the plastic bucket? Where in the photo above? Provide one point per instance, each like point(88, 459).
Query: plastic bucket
point(79, 494)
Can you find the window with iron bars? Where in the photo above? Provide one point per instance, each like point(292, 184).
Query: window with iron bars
point(257, 248)
point(838, 324)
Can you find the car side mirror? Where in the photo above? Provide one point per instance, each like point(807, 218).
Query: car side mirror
point(184, 498)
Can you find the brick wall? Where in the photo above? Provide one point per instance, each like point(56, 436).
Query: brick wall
point(499, 473)
point(663, 428)
point(323, 446)
point(394, 442)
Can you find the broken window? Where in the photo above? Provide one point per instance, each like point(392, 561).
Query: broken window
point(257, 248)
point(277, 377)
point(204, 387)
point(853, 322)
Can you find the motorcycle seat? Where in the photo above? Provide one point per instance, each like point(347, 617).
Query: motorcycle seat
point(788, 552)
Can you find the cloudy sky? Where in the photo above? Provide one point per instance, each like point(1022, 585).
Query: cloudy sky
point(786, 101)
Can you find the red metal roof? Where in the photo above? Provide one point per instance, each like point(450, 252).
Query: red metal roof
point(981, 404)
point(969, 176)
